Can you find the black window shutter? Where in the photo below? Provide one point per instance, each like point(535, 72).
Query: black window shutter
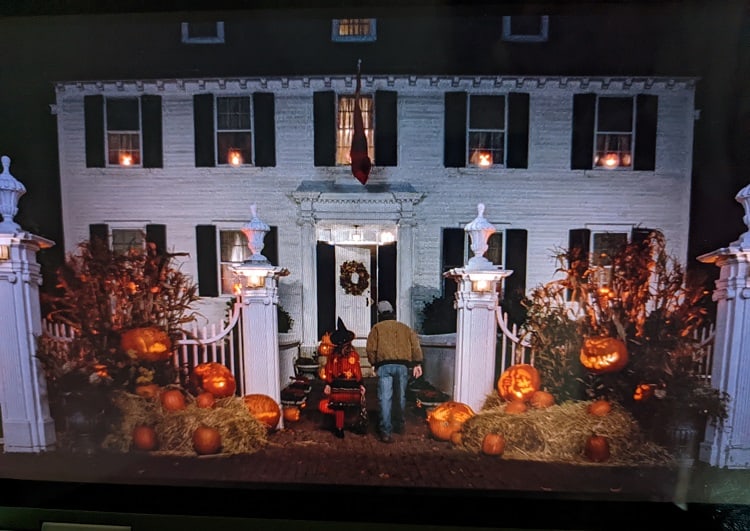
point(99, 231)
point(518, 130)
point(387, 273)
point(386, 128)
point(203, 124)
point(582, 149)
point(271, 245)
point(265, 129)
point(645, 132)
point(157, 234)
point(93, 112)
point(324, 122)
point(453, 255)
point(326, 277)
point(152, 131)
point(454, 151)
point(208, 263)
point(515, 260)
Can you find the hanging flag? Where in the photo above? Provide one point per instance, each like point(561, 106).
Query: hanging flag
point(361, 163)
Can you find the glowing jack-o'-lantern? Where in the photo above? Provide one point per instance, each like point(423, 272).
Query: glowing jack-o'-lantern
point(643, 392)
point(518, 382)
point(603, 354)
point(215, 378)
point(148, 344)
point(326, 345)
point(264, 408)
point(448, 418)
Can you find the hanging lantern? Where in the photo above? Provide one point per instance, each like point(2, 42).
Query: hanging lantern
point(603, 354)
point(518, 382)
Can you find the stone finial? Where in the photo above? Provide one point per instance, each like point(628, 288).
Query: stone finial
point(479, 231)
point(11, 191)
point(256, 230)
point(743, 197)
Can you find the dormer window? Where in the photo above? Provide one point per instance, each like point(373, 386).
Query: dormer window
point(203, 32)
point(354, 30)
point(526, 28)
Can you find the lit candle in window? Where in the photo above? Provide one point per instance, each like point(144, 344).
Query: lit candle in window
point(625, 159)
point(482, 159)
point(235, 158)
point(126, 159)
point(611, 160)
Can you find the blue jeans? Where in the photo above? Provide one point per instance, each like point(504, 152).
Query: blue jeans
point(388, 375)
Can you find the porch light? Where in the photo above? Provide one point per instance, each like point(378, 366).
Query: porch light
point(356, 235)
point(387, 237)
point(234, 157)
point(481, 283)
point(11, 191)
point(126, 159)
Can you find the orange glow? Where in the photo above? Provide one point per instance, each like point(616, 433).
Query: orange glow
point(126, 159)
point(611, 160)
point(235, 157)
point(626, 159)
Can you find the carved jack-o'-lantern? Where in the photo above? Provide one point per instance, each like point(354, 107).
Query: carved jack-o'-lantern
point(263, 408)
point(643, 392)
point(518, 382)
point(326, 345)
point(215, 378)
point(448, 418)
point(148, 344)
point(603, 354)
point(291, 413)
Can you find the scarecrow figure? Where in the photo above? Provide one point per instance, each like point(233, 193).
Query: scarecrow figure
point(344, 391)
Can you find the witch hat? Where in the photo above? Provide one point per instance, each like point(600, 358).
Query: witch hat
point(341, 335)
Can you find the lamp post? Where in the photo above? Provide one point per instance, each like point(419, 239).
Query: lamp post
point(258, 291)
point(476, 327)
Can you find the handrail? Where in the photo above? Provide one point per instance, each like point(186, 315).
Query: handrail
point(222, 333)
point(501, 322)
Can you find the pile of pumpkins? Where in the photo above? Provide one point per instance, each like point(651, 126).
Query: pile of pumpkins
point(209, 382)
point(518, 386)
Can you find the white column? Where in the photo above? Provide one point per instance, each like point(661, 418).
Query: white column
point(308, 246)
point(404, 271)
point(27, 424)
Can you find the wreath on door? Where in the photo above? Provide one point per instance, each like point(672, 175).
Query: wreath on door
point(353, 277)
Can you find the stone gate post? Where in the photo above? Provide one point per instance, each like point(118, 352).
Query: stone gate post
point(728, 446)
point(476, 330)
point(258, 288)
point(26, 421)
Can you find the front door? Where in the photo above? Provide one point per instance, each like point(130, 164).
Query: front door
point(354, 309)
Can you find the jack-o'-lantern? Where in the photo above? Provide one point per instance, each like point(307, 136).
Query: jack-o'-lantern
point(493, 444)
point(518, 382)
point(448, 418)
point(514, 407)
point(263, 408)
point(206, 440)
point(603, 354)
point(541, 399)
point(643, 392)
point(291, 413)
point(147, 344)
point(599, 408)
point(172, 400)
point(215, 378)
point(596, 448)
point(325, 348)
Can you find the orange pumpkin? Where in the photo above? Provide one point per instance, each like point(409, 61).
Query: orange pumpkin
point(448, 418)
point(596, 448)
point(172, 400)
point(148, 343)
point(515, 407)
point(599, 408)
point(518, 382)
point(263, 408)
point(144, 438)
point(325, 348)
point(291, 413)
point(541, 399)
point(206, 440)
point(148, 390)
point(603, 354)
point(643, 392)
point(324, 406)
point(215, 378)
point(205, 400)
point(493, 444)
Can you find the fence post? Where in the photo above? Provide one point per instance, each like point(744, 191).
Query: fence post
point(26, 421)
point(476, 326)
point(728, 446)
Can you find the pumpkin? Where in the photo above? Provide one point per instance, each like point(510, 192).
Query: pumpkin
point(148, 390)
point(448, 418)
point(493, 444)
point(596, 448)
point(206, 440)
point(599, 408)
point(263, 408)
point(144, 438)
point(643, 392)
point(215, 378)
point(205, 400)
point(518, 382)
point(325, 348)
point(324, 406)
point(515, 407)
point(291, 413)
point(172, 400)
point(541, 399)
point(148, 343)
point(603, 354)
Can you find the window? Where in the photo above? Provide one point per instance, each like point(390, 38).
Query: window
point(202, 32)
point(525, 28)
point(234, 137)
point(130, 235)
point(604, 246)
point(125, 239)
point(615, 124)
point(486, 138)
point(233, 251)
point(123, 119)
point(345, 127)
point(354, 30)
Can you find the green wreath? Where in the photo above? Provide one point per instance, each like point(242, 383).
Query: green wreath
point(350, 268)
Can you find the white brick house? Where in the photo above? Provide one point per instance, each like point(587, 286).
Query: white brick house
point(543, 191)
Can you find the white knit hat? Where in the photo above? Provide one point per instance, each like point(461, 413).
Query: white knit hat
point(385, 307)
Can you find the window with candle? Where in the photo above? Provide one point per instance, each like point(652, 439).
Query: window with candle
point(345, 127)
point(234, 135)
point(123, 119)
point(615, 124)
point(354, 30)
point(486, 127)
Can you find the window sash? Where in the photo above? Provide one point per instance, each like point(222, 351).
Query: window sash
point(615, 132)
point(345, 127)
point(604, 245)
point(234, 135)
point(354, 30)
point(123, 240)
point(486, 127)
point(233, 250)
point(122, 118)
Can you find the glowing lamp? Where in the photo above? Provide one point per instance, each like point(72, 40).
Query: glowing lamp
point(234, 157)
point(126, 159)
point(603, 354)
point(483, 159)
point(481, 283)
point(611, 160)
point(626, 159)
point(4, 252)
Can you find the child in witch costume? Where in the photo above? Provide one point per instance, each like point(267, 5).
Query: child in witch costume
point(344, 391)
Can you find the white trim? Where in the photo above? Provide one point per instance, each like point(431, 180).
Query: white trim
point(217, 39)
point(542, 36)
